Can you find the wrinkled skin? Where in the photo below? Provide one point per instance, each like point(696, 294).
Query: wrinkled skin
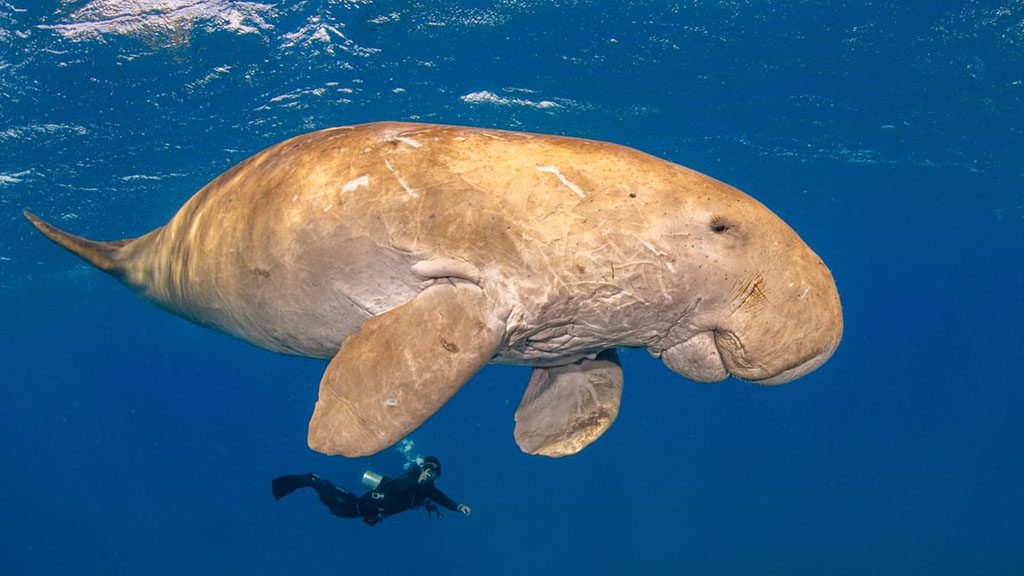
point(467, 246)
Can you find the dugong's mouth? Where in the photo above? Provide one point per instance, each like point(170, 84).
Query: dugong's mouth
point(714, 355)
point(737, 361)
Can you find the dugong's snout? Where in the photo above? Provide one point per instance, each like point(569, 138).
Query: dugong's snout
point(759, 304)
point(784, 330)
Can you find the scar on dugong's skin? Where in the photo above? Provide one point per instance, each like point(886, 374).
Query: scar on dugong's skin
point(414, 254)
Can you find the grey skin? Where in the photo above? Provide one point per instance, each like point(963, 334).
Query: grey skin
point(425, 252)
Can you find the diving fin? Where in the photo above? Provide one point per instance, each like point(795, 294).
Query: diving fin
point(285, 485)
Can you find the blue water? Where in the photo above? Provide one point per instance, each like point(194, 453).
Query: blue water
point(888, 134)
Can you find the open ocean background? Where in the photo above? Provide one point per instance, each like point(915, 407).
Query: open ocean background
point(889, 134)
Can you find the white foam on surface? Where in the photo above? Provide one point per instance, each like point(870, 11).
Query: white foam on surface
point(170, 20)
point(488, 97)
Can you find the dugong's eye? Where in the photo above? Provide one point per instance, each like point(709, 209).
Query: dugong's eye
point(719, 226)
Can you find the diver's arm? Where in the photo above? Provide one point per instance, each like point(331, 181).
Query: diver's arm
point(442, 499)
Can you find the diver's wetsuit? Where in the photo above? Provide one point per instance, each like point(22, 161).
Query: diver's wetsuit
point(390, 496)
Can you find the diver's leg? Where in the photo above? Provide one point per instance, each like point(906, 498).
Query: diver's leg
point(339, 501)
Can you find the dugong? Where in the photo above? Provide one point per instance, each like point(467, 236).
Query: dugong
point(411, 255)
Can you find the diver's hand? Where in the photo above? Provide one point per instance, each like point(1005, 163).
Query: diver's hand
point(464, 509)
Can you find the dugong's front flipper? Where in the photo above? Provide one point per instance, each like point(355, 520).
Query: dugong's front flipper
point(400, 368)
point(565, 408)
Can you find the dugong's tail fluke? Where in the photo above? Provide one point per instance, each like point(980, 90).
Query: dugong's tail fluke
point(102, 255)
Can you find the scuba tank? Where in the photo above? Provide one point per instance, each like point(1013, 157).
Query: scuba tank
point(371, 479)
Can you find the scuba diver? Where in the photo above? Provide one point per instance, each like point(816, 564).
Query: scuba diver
point(413, 489)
